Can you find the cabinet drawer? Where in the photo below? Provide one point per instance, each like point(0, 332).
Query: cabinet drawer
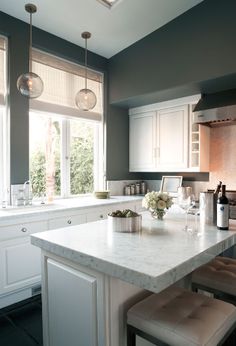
point(66, 221)
point(97, 214)
point(22, 229)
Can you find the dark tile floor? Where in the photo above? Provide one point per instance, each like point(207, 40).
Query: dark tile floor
point(21, 323)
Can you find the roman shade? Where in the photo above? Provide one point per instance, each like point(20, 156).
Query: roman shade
point(2, 70)
point(62, 80)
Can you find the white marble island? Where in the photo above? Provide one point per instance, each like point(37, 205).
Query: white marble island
point(92, 275)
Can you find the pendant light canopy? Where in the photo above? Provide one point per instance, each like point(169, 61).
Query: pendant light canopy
point(30, 84)
point(85, 99)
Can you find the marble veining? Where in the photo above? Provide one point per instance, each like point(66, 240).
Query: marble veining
point(153, 259)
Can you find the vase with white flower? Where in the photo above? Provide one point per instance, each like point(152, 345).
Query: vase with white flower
point(157, 203)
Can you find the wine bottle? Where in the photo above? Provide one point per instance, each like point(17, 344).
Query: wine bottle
point(223, 210)
point(215, 198)
point(217, 190)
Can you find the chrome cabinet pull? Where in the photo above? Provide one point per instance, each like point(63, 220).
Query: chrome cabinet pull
point(23, 229)
point(69, 222)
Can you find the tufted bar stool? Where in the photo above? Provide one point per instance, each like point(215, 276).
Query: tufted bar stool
point(218, 277)
point(178, 317)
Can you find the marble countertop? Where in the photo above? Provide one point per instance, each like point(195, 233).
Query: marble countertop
point(60, 205)
point(158, 256)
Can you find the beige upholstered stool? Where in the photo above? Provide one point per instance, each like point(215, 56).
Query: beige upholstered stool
point(218, 276)
point(179, 317)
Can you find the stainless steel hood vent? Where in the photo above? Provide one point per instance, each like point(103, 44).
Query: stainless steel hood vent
point(218, 109)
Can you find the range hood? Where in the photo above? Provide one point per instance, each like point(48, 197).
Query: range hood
point(216, 109)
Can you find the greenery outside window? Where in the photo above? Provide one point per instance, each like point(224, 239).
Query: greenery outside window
point(63, 155)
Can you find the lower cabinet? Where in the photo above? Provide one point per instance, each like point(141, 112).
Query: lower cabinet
point(96, 214)
point(72, 297)
point(67, 220)
point(20, 262)
point(82, 306)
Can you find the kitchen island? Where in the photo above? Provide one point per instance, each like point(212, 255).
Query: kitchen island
point(92, 275)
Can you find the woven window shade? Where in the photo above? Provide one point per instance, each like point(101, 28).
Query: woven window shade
point(62, 80)
point(2, 70)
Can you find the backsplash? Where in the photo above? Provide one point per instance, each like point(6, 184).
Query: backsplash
point(223, 157)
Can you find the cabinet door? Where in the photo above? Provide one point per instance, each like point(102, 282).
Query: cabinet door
point(142, 142)
point(172, 138)
point(68, 220)
point(20, 264)
point(72, 306)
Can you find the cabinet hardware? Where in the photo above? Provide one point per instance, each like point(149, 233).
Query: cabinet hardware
point(101, 216)
point(69, 222)
point(24, 229)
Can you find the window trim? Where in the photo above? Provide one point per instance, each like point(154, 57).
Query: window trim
point(65, 154)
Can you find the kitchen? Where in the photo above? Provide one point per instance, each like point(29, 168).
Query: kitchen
point(194, 55)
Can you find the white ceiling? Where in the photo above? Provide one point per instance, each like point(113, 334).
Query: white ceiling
point(112, 29)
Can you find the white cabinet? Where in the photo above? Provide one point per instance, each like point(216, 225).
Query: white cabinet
point(20, 261)
point(142, 142)
point(67, 220)
point(172, 138)
point(199, 147)
point(96, 214)
point(164, 139)
point(159, 140)
point(72, 320)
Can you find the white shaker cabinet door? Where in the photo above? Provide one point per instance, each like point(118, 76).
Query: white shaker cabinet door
point(72, 306)
point(20, 261)
point(21, 265)
point(172, 138)
point(142, 142)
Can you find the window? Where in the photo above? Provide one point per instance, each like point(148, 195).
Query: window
point(66, 144)
point(4, 176)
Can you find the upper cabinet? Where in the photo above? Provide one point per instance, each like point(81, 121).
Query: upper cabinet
point(163, 138)
point(172, 138)
point(142, 142)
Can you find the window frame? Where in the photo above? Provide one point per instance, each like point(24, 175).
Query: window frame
point(65, 153)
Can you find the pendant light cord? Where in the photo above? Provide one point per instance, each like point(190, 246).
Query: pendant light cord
point(86, 55)
point(30, 45)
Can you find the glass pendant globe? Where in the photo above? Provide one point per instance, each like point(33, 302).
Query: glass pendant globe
point(85, 99)
point(30, 85)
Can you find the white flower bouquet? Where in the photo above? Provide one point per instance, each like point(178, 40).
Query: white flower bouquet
point(157, 203)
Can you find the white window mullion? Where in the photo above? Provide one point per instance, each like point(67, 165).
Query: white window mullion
point(65, 159)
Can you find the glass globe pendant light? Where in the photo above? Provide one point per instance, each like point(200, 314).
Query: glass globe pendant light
point(30, 84)
point(85, 99)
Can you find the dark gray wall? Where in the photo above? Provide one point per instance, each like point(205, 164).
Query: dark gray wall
point(19, 125)
point(18, 35)
point(195, 52)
